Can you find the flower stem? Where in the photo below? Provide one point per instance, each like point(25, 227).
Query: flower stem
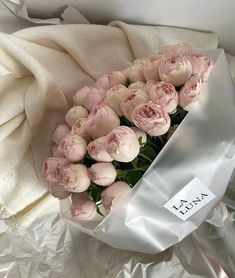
point(146, 157)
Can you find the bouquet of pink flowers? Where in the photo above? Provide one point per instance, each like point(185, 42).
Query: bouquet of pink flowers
point(117, 128)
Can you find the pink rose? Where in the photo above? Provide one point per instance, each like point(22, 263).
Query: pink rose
point(101, 121)
point(201, 65)
point(79, 97)
point(190, 92)
point(52, 168)
point(149, 85)
point(181, 49)
point(73, 147)
point(74, 114)
point(151, 68)
point(165, 95)
point(113, 98)
point(112, 195)
point(123, 144)
point(116, 78)
point(82, 208)
point(75, 178)
point(175, 70)
point(60, 132)
point(140, 134)
point(55, 152)
point(137, 85)
point(97, 149)
point(102, 173)
point(134, 73)
point(107, 81)
point(133, 98)
point(58, 191)
point(151, 118)
point(94, 97)
point(79, 127)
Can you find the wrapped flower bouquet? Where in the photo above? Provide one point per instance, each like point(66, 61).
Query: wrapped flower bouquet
point(116, 164)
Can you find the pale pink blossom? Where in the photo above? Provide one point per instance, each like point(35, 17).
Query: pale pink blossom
point(52, 168)
point(201, 65)
point(73, 147)
point(79, 97)
point(101, 121)
point(151, 67)
point(149, 85)
point(175, 70)
point(95, 96)
point(75, 178)
point(123, 144)
point(55, 152)
point(113, 97)
point(137, 85)
point(112, 195)
point(79, 128)
point(151, 118)
point(107, 81)
point(97, 149)
point(181, 49)
point(102, 173)
point(82, 207)
point(140, 134)
point(133, 98)
point(60, 132)
point(164, 94)
point(74, 114)
point(134, 73)
point(58, 191)
point(190, 92)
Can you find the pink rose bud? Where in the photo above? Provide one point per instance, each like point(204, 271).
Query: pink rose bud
point(60, 132)
point(190, 92)
point(97, 149)
point(116, 78)
point(151, 68)
point(123, 144)
point(52, 168)
point(94, 97)
point(137, 85)
point(165, 95)
point(181, 49)
point(175, 70)
point(82, 208)
point(55, 152)
point(74, 114)
point(134, 73)
point(79, 127)
point(101, 121)
point(140, 134)
point(112, 195)
point(79, 97)
point(149, 85)
point(58, 191)
point(151, 118)
point(201, 65)
point(107, 81)
point(113, 98)
point(73, 147)
point(131, 100)
point(102, 173)
point(75, 178)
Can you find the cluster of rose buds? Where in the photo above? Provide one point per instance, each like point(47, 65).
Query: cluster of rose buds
point(159, 83)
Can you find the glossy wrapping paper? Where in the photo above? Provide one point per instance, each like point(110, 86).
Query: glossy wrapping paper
point(57, 247)
point(202, 147)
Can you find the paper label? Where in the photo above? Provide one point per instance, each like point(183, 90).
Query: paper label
point(194, 196)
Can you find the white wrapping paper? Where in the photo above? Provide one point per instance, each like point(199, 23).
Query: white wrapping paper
point(202, 147)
